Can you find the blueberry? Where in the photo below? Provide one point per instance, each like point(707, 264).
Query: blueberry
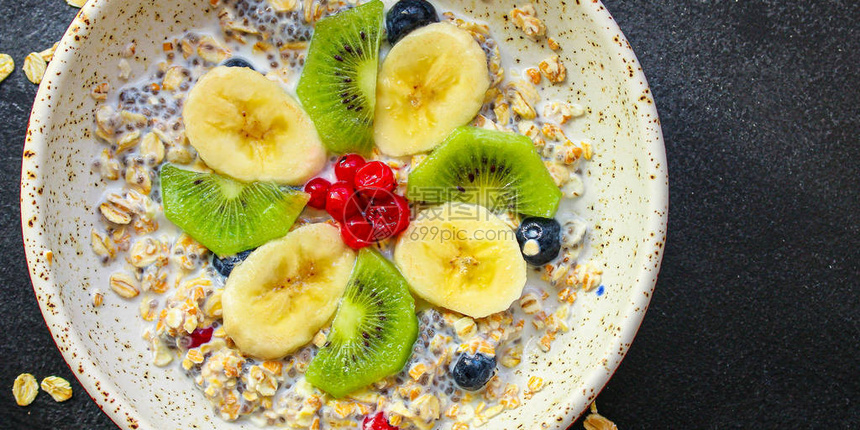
point(407, 15)
point(540, 240)
point(238, 62)
point(471, 372)
point(225, 265)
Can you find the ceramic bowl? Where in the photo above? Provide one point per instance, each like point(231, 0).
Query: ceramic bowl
point(625, 204)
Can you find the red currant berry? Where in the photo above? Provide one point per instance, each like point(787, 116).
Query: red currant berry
point(389, 216)
point(200, 336)
point(377, 422)
point(318, 189)
point(357, 232)
point(374, 178)
point(336, 202)
point(357, 204)
point(346, 166)
point(404, 214)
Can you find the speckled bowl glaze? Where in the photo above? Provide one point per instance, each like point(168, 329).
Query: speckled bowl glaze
point(625, 203)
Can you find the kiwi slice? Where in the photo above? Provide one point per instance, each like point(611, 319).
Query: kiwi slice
point(372, 332)
point(500, 171)
point(338, 84)
point(225, 215)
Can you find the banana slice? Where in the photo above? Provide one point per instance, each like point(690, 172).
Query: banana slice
point(246, 126)
point(431, 82)
point(277, 299)
point(462, 257)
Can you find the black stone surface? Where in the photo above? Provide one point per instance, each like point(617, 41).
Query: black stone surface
point(754, 323)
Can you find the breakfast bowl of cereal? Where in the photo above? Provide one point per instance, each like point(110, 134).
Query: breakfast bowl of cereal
point(343, 214)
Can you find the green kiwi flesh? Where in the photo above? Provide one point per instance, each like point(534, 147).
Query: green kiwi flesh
point(338, 83)
point(227, 216)
point(500, 171)
point(373, 330)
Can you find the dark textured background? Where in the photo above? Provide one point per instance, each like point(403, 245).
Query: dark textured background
point(756, 319)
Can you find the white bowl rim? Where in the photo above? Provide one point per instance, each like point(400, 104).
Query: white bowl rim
point(126, 417)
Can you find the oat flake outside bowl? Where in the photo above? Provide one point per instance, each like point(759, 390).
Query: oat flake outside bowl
point(626, 206)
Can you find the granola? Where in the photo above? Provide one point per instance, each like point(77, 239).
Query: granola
point(553, 69)
point(595, 421)
point(525, 18)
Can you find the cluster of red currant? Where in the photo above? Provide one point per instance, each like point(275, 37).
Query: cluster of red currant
point(376, 422)
point(362, 200)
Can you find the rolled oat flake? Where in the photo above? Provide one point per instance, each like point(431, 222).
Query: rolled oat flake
point(25, 389)
point(34, 67)
point(7, 65)
point(58, 388)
